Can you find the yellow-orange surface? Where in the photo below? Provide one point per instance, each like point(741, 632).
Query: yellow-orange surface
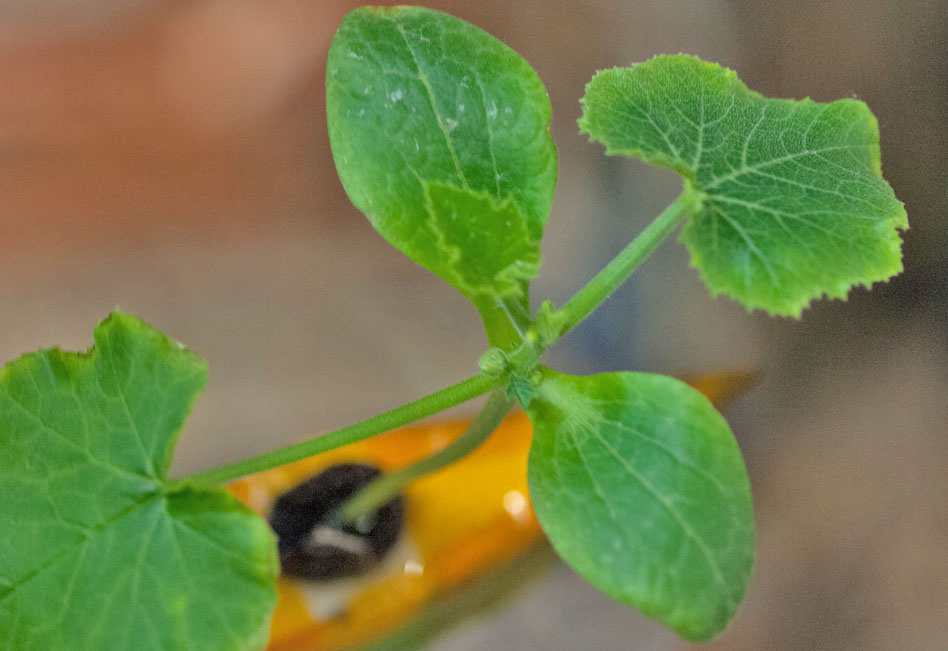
point(460, 521)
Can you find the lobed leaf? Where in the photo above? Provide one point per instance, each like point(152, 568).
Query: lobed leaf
point(795, 205)
point(96, 552)
point(640, 486)
point(441, 136)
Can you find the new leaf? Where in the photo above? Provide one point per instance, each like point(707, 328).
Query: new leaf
point(96, 553)
point(640, 486)
point(440, 134)
point(794, 201)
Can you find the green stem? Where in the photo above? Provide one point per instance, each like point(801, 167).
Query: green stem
point(504, 320)
point(621, 267)
point(421, 408)
point(561, 321)
point(389, 485)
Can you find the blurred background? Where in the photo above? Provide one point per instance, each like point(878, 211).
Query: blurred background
point(171, 158)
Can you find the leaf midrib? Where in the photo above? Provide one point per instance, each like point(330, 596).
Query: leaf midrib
point(423, 78)
point(91, 532)
point(580, 420)
point(664, 503)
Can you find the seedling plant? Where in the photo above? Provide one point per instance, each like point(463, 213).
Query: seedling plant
point(441, 136)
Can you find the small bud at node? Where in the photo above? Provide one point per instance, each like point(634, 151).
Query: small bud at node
point(493, 362)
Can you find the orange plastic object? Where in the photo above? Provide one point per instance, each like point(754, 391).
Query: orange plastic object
point(460, 521)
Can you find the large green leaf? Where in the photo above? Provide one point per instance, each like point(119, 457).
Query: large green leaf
point(440, 135)
point(640, 486)
point(96, 552)
point(795, 203)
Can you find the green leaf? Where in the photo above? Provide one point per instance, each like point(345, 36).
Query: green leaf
point(794, 204)
point(480, 260)
point(96, 553)
point(640, 486)
point(441, 136)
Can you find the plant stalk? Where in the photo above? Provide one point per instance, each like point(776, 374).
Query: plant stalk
point(621, 267)
point(409, 413)
point(565, 319)
point(391, 484)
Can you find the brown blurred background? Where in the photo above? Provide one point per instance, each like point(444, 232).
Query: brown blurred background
point(171, 158)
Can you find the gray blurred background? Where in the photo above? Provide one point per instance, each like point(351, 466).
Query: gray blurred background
point(171, 158)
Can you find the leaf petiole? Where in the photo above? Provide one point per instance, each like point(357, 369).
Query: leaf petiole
point(621, 267)
point(388, 485)
point(408, 413)
point(572, 313)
